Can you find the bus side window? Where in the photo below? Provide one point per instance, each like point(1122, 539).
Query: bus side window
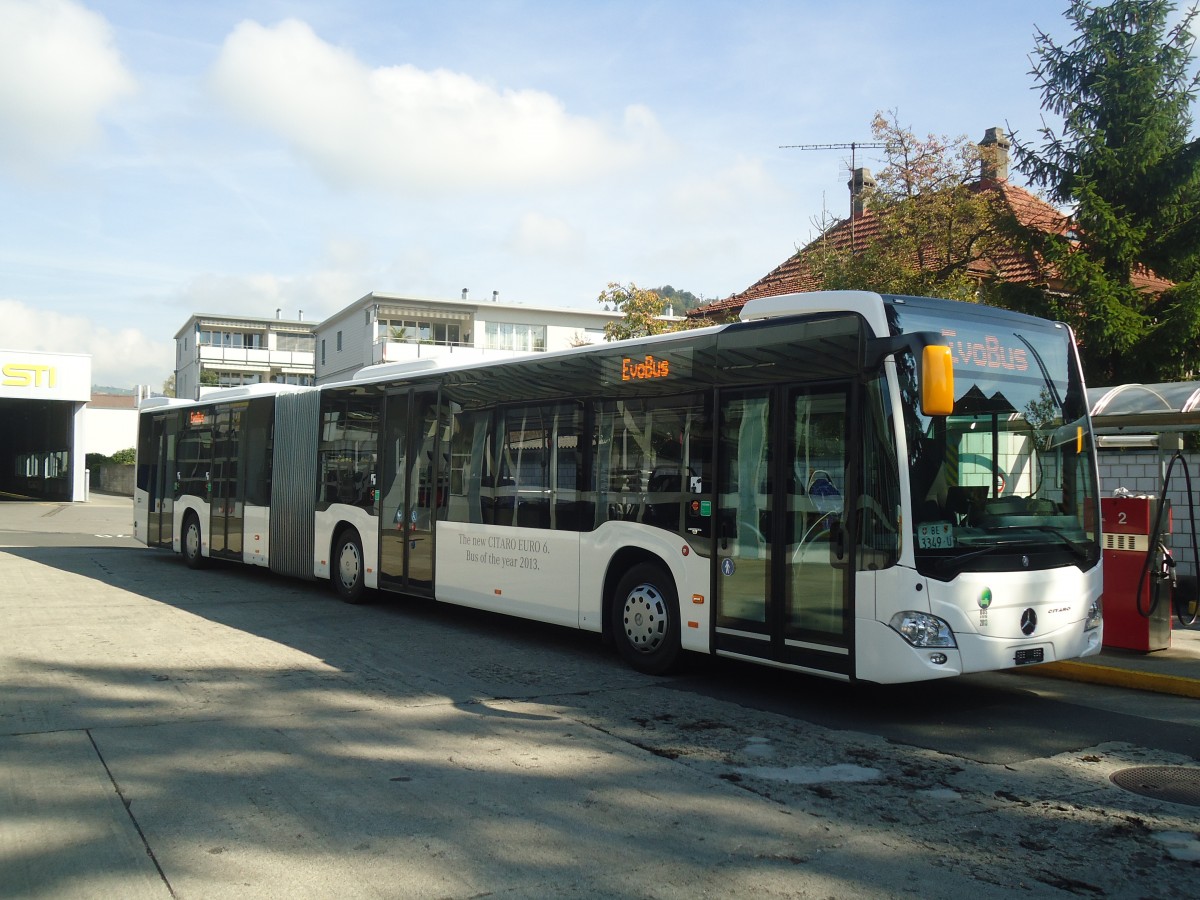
point(651, 459)
point(569, 511)
point(467, 461)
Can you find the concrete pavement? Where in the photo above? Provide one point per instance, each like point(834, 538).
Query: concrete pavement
point(236, 734)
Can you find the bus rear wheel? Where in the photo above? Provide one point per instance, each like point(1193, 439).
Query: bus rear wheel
point(348, 567)
point(193, 553)
point(645, 619)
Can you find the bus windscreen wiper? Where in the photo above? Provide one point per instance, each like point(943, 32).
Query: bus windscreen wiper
point(946, 561)
point(1079, 548)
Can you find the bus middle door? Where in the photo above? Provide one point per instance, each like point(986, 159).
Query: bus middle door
point(783, 587)
point(227, 500)
point(410, 498)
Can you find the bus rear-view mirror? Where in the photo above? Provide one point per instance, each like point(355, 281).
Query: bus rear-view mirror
point(937, 380)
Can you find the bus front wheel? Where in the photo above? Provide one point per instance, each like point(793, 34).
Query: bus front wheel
point(193, 555)
point(348, 567)
point(645, 619)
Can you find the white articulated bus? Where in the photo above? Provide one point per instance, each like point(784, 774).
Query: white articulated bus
point(858, 486)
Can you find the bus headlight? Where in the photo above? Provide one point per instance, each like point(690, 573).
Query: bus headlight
point(1094, 617)
point(922, 630)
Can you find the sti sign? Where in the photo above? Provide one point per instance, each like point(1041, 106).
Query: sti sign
point(45, 376)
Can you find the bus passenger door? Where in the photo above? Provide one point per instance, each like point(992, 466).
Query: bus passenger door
point(409, 498)
point(225, 530)
point(426, 493)
point(782, 562)
point(160, 485)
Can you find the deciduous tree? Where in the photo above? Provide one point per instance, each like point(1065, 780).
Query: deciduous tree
point(644, 313)
point(928, 222)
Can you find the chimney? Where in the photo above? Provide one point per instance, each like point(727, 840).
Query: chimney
point(278, 312)
point(464, 296)
point(861, 183)
point(495, 294)
point(993, 156)
point(300, 315)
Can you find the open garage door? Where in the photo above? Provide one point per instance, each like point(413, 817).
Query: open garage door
point(37, 449)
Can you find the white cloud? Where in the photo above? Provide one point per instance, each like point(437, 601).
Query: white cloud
point(120, 358)
point(59, 71)
point(724, 192)
point(315, 296)
point(404, 128)
point(541, 235)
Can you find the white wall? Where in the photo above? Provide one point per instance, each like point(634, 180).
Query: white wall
point(357, 340)
point(109, 430)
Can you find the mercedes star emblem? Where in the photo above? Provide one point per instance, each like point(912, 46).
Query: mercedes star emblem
point(1028, 622)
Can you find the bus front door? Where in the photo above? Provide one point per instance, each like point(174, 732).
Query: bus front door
point(783, 587)
point(409, 498)
point(160, 500)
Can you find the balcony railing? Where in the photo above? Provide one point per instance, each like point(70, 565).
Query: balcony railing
point(385, 351)
point(244, 356)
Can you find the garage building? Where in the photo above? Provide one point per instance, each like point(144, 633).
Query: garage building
point(42, 400)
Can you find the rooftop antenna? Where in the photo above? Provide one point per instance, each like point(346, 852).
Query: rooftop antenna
point(852, 146)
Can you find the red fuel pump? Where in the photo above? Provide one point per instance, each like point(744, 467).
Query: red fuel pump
point(1137, 602)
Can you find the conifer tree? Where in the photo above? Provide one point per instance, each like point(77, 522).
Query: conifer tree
point(1122, 163)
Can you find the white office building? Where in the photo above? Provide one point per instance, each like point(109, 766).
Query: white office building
point(218, 351)
point(382, 328)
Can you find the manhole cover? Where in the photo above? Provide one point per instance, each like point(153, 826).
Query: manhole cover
point(1175, 784)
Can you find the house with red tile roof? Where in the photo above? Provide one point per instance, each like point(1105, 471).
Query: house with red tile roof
point(1005, 261)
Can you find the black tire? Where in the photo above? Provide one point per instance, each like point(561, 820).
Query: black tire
point(347, 571)
point(644, 619)
point(192, 542)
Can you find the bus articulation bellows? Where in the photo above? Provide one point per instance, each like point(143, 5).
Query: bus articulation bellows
point(854, 485)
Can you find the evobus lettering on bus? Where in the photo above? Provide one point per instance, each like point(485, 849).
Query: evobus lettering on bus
point(988, 353)
point(660, 367)
point(644, 369)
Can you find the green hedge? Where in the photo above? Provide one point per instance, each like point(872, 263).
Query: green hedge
point(120, 458)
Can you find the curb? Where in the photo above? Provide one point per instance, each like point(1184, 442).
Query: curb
point(1138, 681)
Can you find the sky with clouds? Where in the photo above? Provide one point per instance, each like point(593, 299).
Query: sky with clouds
point(159, 159)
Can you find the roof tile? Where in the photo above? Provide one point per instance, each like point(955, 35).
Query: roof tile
point(1009, 264)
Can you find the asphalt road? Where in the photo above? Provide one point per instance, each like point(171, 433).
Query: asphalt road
point(229, 733)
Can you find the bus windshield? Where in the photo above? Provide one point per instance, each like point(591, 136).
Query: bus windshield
point(1008, 479)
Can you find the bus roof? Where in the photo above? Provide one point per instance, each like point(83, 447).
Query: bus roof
point(866, 303)
point(243, 392)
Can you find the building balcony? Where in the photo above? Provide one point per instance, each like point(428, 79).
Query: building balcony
point(385, 351)
point(256, 359)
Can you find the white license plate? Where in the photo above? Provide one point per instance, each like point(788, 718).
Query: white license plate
point(935, 535)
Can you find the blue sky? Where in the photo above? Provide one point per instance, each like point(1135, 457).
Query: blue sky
point(159, 159)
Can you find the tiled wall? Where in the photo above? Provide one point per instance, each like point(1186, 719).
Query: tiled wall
point(1141, 471)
